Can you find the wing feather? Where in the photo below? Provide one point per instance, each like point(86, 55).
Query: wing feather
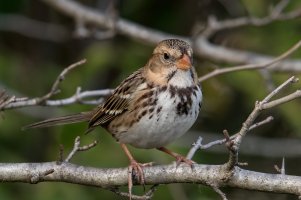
point(118, 102)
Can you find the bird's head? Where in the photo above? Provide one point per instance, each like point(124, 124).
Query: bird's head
point(170, 58)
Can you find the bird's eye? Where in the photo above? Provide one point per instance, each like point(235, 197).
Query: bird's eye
point(166, 56)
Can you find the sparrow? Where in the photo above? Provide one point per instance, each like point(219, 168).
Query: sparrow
point(152, 107)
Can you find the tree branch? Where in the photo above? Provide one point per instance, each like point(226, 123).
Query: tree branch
point(33, 28)
point(106, 178)
point(202, 47)
point(275, 14)
point(259, 107)
point(252, 66)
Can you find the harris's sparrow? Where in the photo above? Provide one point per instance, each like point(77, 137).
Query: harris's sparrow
point(152, 107)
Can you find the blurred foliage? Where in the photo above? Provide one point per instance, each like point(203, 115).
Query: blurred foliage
point(28, 67)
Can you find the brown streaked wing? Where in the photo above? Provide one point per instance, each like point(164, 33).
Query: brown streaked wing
point(118, 102)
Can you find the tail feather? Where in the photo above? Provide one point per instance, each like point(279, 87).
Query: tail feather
point(69, 119)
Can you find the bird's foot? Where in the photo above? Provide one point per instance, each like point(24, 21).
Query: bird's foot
point(135, 169)
point(181, 159)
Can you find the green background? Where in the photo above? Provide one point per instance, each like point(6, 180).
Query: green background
point(28, 67)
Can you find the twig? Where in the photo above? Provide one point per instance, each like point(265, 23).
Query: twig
point(278, 8)
point(263, 122)
point(61, 153)
point(259, 107)
point(282, 100)
point(214, 26)
point(77, 97)
point(5, 99)
point(282, 170)
point(280, 87)
point(76, 148)
point(147, 196)
point(222, 141)
point(54, 89)
point(283, 167)
point(233, 152)
point(37, 177)
point(194, 148)
point(219, 192)
point(262, 65)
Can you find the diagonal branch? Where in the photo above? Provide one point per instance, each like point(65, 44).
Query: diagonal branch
point(259, 107)
point(252, 66)
point(54, 89)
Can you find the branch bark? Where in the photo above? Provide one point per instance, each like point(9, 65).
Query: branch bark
point(107, 178)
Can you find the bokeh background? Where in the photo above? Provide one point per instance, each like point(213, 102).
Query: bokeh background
point(31, 58)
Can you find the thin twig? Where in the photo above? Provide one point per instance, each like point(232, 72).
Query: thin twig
point(87, 147)
point(76, 98)
point(194, 148)
point(76, 148)
point(218, 191)
point(275, 14)
point(262, 65)
point(282, 171)
point(222, 141)
point(5, 99)
point(278, 8)
point(54, 89)
point(259, 107)
point(291, 80)
point(61, 153)
point(147, 196)
point(282, 100)
point(36, 177)
point(131, 196)
point(263, 122)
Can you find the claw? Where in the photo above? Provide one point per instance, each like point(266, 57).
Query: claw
point(181, 159)
point(135, 169)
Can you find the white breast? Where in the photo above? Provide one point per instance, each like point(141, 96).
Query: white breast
point(173, 115)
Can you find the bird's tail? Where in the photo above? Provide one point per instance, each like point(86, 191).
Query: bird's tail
point(69, 119)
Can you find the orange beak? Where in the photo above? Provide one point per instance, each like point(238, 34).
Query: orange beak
point(184, 63)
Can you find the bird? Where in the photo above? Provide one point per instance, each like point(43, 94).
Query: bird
point(152, 107)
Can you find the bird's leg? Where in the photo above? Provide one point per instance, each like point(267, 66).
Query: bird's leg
point(136, 167)
point(179, 158)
